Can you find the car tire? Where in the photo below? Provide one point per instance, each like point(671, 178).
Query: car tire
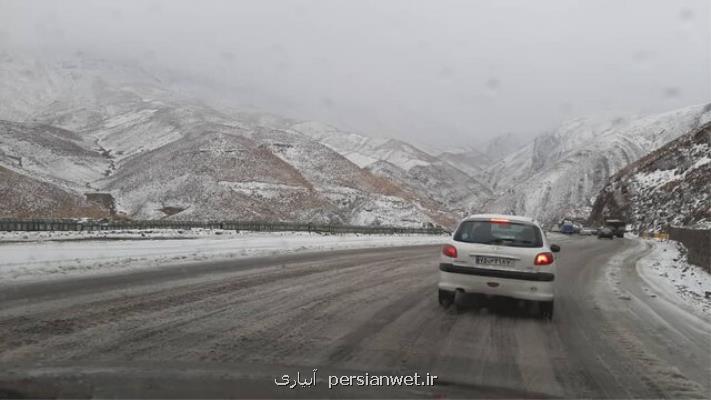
point(446, 298)
point(545, 309)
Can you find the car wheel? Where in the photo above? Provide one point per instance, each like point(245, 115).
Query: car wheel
point(545, 309)
point(446, 298)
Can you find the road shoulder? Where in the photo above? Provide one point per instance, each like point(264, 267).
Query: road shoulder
point(658, 334)
point(43, 260)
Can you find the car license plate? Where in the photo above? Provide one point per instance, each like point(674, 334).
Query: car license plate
point(497, 261)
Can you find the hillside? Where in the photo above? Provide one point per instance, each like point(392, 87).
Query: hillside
point(436, 178)
point(471, 162)
point(53, 154)
point(25, 197)
point(670, 186)
point(84, 125)
point(559, 174)
point(87, 125)
point(476, 160)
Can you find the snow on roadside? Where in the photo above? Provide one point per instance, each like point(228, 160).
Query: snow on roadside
point(127, 234)
point(665, 268)
point(45, 258)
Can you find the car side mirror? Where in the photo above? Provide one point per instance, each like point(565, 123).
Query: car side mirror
point(555, 248)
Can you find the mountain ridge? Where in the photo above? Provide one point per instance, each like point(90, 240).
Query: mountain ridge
point(154, 151)
point(559, 174)
point(669, 186)
point(89, 126)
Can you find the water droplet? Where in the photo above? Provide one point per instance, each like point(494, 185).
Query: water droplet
point(446, 72)
point(327, 102)
point(227, 56)
point(566, 107)
point(642, 56)
point(686, 14)
point(672, 92)
point(619, 120)
point(116, 13)
point(493, 85)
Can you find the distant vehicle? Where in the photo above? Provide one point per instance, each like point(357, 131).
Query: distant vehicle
point(588, 231)
point(499, 255)
point(567, 227)
point(617, 226)
point(605, 232)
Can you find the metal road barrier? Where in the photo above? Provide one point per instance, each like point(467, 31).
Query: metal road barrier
point(662, 236)
point(7, 224)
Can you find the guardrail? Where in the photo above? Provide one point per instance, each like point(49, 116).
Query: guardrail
point(655, 235)
point(92, 225)
point(697, 241)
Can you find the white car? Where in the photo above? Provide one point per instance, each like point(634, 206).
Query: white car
point(499, 255)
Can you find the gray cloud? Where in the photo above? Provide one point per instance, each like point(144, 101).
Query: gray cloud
point(444, 73)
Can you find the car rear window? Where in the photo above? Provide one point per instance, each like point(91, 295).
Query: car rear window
point(500, 233)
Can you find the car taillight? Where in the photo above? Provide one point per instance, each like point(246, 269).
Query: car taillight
point(543, 259)
point(449, 251)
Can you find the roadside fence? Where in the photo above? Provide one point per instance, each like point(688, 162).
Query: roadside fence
point(109, 225)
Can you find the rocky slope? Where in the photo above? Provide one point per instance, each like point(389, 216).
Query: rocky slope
point(24, 197)
point(471, 162)
point(559, 174)
point(437, 178)
point(52, 154)
point(670, 186)
point(475, 161)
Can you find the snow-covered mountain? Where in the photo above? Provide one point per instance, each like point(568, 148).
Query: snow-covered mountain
point(51, 154)
point(471, 162)
point(670, 186)
point(363, 150)
point(475, 160)
point(22, 196)
point(501, 146)
point(559, 174)
point(437, 178)
point(84, 125)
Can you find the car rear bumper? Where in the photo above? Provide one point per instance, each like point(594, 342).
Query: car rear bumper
point(536, 286)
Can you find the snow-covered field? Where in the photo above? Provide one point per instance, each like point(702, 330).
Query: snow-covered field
point(29, 256)
point(666, 270)
point(145, 234)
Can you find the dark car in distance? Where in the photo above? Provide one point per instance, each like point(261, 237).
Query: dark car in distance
point(617, 226)
point(605, 233)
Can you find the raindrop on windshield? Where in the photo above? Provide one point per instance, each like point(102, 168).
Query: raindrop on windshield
point(672, 92)
point(493, 85)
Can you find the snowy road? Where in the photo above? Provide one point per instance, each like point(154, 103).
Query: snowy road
point(230, 328)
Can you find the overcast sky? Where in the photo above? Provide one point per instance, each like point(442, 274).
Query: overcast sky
point(444, 73)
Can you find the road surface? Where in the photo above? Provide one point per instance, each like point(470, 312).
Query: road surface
point(231, 328)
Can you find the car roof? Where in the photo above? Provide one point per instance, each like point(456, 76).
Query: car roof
point(509, 217)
